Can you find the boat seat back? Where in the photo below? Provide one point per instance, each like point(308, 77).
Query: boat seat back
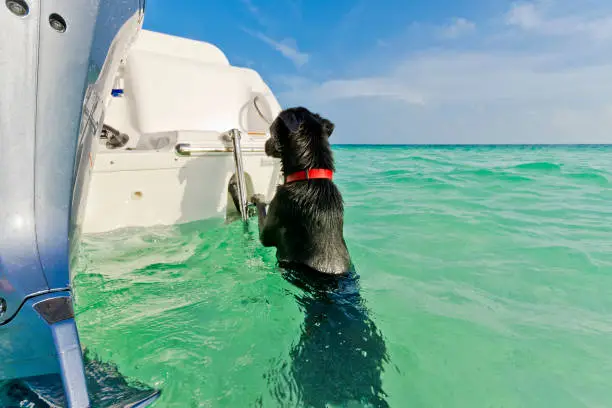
point(172, 94)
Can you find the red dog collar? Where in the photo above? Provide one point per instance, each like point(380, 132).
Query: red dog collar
point(310, 174)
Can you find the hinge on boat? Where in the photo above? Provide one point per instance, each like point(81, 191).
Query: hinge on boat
point(114, 138)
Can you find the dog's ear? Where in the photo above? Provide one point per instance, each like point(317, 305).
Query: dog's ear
point(289, 120)
point(328, 126)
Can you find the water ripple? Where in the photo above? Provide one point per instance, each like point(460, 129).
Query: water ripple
point(484, 268)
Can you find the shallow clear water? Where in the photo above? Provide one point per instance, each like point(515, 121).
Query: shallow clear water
point(485, 270)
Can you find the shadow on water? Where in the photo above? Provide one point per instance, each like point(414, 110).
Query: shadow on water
point(340, 353)
point(107, 388)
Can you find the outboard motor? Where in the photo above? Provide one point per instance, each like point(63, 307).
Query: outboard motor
point(57, 60)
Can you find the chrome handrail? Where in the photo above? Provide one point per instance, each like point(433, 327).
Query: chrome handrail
point(186, 149)
point(233, 136)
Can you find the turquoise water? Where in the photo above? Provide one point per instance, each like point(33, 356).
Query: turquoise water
point(485, 272)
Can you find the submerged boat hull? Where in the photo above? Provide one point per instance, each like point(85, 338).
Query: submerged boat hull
point(50, 53)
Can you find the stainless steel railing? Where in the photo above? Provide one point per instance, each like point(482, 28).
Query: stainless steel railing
point(187, 149)
point(233, 135)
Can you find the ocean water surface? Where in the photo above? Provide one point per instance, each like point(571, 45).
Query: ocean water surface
point(484, 281)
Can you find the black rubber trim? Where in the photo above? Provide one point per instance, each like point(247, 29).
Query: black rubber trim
point(55, 309)
point(145, 402)
point(32, 296)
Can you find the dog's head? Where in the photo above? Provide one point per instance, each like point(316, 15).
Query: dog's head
point(296, 130)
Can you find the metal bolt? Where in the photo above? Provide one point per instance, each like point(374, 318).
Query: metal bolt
point(18, 7)
point(57, 23)
point(2, 307)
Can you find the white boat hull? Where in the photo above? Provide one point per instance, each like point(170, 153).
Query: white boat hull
point(176, 91)
point(169, 189)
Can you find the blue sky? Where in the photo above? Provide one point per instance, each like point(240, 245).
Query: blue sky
point(421, 71)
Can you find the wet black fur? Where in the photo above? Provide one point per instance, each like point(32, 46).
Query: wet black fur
point(340, 354)
point(305, 220)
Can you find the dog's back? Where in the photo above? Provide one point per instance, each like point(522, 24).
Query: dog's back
point(311, 216)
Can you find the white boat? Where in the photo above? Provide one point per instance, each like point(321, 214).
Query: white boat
point(104, 125)
point(177, 100)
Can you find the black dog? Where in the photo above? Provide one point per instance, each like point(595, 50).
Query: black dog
point(305, 220)
point(340, 355)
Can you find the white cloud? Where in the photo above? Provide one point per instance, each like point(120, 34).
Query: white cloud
point(542, 17)
point(524, 15)
point(353, 88)
point(253, 9)
point(459, 27)
point(287, 47)
point(550, 85)
point(256, 13)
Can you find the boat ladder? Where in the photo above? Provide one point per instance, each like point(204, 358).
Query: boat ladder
point(233, 136)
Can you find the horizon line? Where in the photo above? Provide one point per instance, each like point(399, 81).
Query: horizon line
point(469, 144)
